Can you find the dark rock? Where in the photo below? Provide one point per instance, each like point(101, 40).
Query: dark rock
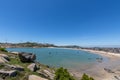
point(108, 70)
point(27, 57)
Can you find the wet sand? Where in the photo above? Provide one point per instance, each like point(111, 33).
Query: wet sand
point(105, 70)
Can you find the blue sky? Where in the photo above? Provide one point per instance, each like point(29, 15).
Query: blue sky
point(61, 22)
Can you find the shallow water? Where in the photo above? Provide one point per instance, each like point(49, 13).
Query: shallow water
point(57, 57)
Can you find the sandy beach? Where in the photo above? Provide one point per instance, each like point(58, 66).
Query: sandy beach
point(103, 53)
point(106, 70)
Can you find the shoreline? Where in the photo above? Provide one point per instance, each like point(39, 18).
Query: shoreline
point(98, 71)
point(102, 53)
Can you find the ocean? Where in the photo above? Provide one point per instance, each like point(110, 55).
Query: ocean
point(59, 57)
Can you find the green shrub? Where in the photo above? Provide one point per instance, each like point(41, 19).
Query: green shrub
point(63, 74)
point(3, 49)
point(86, 77)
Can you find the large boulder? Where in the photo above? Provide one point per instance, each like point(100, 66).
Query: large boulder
point(32, 67)
point(34, 77)
point(27, 57)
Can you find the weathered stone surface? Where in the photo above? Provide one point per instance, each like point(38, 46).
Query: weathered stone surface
point(46, 74)
point(51, 75)
point(43, 74)
point(4, 58)
point(4, 55)
point(32, 67)
point(11, 73)
point(34, 77)
point(13, 67)
point(15, 53)
point(27, 57)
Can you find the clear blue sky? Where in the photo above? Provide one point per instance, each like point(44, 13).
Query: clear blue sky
point(62, 22)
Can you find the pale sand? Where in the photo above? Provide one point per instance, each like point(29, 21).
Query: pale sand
point(103, 53)
point(97, 70)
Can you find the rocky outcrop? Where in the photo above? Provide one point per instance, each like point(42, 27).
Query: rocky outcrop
point(51, 75)
point(5, 73)
point(27, 57)
point(34, 77)
point(17, 67)
point(14, 65)
point(32, 67)
point(4, 58)
point(46, 74)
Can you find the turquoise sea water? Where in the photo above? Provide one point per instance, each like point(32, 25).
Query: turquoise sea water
point(57, 57)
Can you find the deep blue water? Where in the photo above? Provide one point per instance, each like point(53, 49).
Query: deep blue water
point(57, 57)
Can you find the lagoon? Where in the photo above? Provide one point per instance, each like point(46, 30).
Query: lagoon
point(59, 57)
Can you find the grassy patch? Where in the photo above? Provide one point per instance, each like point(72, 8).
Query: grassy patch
point(3, 50)
point(2, 66)
point(86, 77)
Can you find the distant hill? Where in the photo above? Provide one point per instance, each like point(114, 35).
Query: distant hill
point(26, 44)
point(34, 45)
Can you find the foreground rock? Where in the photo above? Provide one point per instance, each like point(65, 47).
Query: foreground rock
point(34, 77)
point(51, 75)
point(46, 74)
point(27, 57)
point(11, 73)
point(32, 67)
point(4, 58)
point(17, 67)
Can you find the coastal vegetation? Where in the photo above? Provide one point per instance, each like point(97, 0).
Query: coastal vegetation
point(3, 49)
point(26, 44)
point(63, 74)
point(86, 77)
